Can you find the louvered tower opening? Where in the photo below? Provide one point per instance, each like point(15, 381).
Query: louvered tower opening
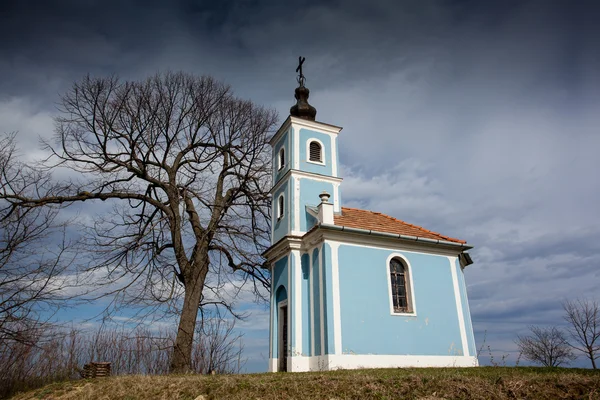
point(315, 152)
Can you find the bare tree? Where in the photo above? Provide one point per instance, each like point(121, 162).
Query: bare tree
point(583, 317)
point(186, 168)
point(546, 346)
point(30, 266)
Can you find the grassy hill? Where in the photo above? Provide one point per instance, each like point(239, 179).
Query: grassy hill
point(430, 384)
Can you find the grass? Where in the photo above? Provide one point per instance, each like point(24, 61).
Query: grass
point(425, 383)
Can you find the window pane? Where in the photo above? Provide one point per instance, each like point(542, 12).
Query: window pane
point(396, 266)
point(398, 281)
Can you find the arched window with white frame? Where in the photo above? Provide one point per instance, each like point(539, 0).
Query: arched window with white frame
point(280, 206)
point(281, 159)
point(400, 285)
point(315, 152)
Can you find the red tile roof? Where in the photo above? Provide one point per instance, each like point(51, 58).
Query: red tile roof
point(374, 221)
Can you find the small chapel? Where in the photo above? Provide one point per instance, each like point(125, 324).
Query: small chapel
point(354, 288)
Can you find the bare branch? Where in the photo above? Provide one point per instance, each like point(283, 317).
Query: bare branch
point(34, 252)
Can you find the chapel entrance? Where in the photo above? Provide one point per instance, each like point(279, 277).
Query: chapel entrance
point(283, 338)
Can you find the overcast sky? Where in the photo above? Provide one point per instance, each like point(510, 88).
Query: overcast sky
point(476, 119)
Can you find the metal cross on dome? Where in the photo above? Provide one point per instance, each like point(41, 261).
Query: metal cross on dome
point(301, 77)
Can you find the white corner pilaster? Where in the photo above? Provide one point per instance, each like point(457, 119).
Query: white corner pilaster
point(459, 310)
point(336, 197)
point(322, 316)
point(334, 160)
point(297, 303)
point(311, 287)
point(297, 211)
point(296, 137)
point(335, 287)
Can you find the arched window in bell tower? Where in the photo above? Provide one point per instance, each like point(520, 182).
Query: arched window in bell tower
point(280, 204)
point(281, 161)
point(315, 152)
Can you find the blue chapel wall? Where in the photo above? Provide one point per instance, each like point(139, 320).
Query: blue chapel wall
point(281, 226)
point(279, 282)
point(305, 165)
point(462, 286)
point(280, 274)
point(309, 195)
point(367, 325)
point(316, 279)
point(284, 142)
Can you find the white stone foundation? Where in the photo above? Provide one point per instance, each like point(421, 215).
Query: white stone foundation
point(351, 361)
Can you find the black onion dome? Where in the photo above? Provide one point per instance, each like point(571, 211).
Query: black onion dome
point(302, 109)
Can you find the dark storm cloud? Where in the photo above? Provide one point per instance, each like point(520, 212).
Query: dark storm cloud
point(253, 42)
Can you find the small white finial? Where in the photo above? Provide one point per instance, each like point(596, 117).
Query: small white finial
point(324, 197)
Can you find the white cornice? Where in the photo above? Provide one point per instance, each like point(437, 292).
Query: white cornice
point(301, 122)
point(283, 246)
point(316, 125)
point(391, 243)
point(304, 174)
point(318, 235)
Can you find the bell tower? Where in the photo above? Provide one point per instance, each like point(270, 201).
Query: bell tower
point(305, 164)
point(306, 187)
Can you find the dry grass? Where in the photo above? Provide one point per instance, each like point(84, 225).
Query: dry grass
point(430, 384)
point(56, 355)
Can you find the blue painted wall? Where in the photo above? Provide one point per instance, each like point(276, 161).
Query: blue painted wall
point(280, 273)
point(281, 226)
point(293, 263)
point(316, 279)
point(368, 327)
point(309, 195)
point(305, 136)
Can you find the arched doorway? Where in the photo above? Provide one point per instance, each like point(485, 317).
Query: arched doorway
point(282, 329)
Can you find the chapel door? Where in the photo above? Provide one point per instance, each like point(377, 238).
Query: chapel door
point(283, 338)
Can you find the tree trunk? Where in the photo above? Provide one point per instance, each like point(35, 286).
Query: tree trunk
point(593, 360)
point(182, 350)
